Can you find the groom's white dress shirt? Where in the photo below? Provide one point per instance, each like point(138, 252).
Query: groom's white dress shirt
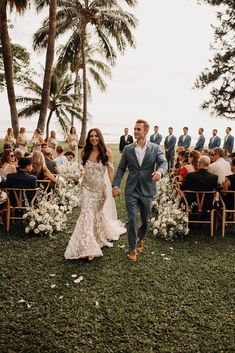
point(140, 152)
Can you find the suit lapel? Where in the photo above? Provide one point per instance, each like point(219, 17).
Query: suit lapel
point(132, 151)
point(146, 157)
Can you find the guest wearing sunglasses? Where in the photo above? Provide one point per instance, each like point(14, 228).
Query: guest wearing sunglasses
point(7, 164)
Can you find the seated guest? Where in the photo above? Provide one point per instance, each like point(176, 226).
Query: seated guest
point(7, 164)
point(70, 156)
point(60, 159)
point(22, 179)
point(201, 180)
point(205, 152)
point(40, 169)
point(181, 159)
point(220, 167)
point(191, 167)
point(18, 155)
point(229, 184)
point(51, 165)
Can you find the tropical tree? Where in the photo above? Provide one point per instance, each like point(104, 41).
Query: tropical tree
point(21, 66)
point(62, 102)
point(104, 20)
point(70, 57)
point(49, 58)
point(220, 76)
point(20, 6)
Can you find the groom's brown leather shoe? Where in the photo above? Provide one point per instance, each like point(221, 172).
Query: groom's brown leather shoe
point(140, 245)
point(132, 255)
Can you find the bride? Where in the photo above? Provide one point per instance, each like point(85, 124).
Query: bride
point(95, 227)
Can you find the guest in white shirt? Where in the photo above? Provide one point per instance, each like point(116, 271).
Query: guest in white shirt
point(60, 159)
point(219, 167)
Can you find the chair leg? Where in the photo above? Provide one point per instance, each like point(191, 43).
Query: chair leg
point(223, 223)
point(212, 223)
point(8, 214)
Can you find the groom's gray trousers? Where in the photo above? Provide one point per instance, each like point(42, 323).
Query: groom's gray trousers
point(133, 203)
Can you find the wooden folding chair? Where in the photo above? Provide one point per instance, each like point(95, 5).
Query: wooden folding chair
point(44, 184)
point(16, 202)
point(225, 211)
point(200, 198)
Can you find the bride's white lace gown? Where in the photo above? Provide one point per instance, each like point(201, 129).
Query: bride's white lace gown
point(93, 230)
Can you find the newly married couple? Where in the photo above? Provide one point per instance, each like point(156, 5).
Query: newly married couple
point(94, 229)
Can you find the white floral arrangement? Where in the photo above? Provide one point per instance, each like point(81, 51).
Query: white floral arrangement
point(46, 219)
point(72, 172)
point(170, 219)
point(51, 214)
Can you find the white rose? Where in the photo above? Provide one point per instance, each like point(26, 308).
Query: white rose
point(27, 230)
point(32, 224)
point(155, 231)
point(36, 231)
point(41, 227)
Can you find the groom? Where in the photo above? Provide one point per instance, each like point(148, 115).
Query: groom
point(146, 164)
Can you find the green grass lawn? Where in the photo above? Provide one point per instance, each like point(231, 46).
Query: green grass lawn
point(185, 304)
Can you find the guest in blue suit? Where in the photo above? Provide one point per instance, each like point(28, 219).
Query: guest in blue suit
point(156, 137)
point(228, 141)
point(201, 140)
point(215, 140)
point(169, 145)
point(185, 139)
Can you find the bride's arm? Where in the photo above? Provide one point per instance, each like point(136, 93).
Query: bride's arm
point(110, 164)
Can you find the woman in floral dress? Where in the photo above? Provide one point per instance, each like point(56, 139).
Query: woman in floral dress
point(22, 140)
point(93, 230)
point(52, 143)
point(73, 142)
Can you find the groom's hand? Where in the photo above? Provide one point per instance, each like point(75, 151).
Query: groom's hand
point(116, 191)
point(156, 176)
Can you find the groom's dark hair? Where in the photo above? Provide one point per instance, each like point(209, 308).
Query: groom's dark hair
point(142, 121)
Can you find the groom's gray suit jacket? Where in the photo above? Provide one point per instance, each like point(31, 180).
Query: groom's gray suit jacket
point(154, 160)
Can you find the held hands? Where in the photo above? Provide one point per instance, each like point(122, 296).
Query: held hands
point(116, 191)
point(156, 176)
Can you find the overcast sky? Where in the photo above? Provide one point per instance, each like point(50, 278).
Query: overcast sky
point(155, 80)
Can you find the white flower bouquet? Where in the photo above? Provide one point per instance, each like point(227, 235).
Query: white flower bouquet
point(72, 173)
point(170, 219)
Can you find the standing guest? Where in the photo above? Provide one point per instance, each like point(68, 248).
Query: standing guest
point(37, 140)
point(191, 167)
point(73, 142)
point(60, 159)
point(52, 143)
point(146, 164)
point(70, 156)
point(18, 155)
point(201, 140)
point(227, 157)
point(228, 141)
point(7, 163)
point(215, 140)
point(9, 138)
point(50, 163)
point(220, 167)
point(185, 139)
point(169, 145)
point(125, 140)
point(93, 230)
point(40, 169)
point(156, 137)
point(21, 140)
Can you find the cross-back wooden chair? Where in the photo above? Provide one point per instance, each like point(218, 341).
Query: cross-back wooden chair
point(44, 184)
point(202, 204)
point(16, 202)
point(227, 211)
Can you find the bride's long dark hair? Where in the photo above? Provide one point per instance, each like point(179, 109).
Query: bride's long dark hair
point(101, 147)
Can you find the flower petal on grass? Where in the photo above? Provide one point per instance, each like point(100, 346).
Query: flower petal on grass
point(74, 275)
point(97, 303)
point(52, 274)
point(167, 258)
point(61, 297)
point(78, 280)
point(21, 301)
point(53, 286)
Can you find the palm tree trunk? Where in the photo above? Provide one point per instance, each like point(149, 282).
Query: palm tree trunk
point(49, 64)
point(8, 64)
point(82, 139)
point(48, 125)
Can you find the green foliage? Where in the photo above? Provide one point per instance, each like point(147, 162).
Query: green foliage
point(21, 66)
point(221, 73)
point(181, 305)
